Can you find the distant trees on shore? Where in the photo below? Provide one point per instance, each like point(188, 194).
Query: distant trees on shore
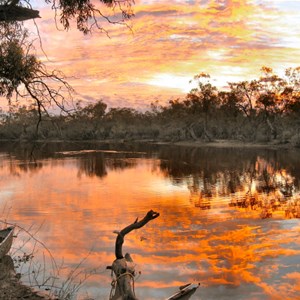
point(262, 110)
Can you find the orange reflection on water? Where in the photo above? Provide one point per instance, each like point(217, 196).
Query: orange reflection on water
point(230, 249)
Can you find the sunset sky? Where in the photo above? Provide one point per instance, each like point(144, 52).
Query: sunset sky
point(170, 42)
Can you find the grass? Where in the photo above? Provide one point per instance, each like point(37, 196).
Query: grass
point(37, 268)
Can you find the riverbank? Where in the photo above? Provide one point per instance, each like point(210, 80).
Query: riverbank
point(234, 144)
point(11, 288)
point(218, 143)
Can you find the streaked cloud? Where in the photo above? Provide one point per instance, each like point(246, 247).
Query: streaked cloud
point(169, 43)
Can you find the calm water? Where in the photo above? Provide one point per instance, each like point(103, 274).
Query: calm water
point(229, 218)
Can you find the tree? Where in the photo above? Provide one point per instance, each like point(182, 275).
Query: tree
point(22, 74)
point(291, 93)
point(91, 111)
point(89, 118)
point(86, 13)
point(176, 109)
point(270, 88)
point(245, 93)
point(123, 115)
point(229, 103)
point(203, 100)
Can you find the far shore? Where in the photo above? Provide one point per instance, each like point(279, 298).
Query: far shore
point(186, 143)
point(235, 144)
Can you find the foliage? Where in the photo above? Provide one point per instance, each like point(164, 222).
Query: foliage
point(202, 99)
point(22, 74)
point(263, 110)
point(15, 67)
point(87, 13)
point(91, 111)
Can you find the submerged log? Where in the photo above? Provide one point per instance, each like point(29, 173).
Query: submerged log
point(13, 13)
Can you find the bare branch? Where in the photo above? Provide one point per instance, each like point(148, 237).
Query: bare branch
point(151, 215)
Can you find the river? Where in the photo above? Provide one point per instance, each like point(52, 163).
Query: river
point(229, 217)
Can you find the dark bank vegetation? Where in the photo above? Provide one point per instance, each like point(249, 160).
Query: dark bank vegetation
point(265, 110)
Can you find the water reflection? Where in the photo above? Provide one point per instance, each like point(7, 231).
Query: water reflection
point(258, 181)
point(229, 217)
point(96, 164)
point(92, 165)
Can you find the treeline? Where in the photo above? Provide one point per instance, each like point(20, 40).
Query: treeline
point(262, 110)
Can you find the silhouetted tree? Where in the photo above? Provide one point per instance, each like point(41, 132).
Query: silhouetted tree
point(86, 13)
point(245, 93)
point(24, 76)
point(19, 66)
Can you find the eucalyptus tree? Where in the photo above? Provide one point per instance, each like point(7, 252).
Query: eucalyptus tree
point(88, 119)
point(291, 94)
point(270, 87)
point(24, 76)
point(203, 101)
point(86, 14)
point(245, 93)
point(22, 73)
point(279, 97)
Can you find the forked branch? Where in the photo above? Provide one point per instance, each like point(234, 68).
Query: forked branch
point(151, 215)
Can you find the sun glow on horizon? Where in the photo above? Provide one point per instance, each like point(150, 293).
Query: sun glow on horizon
point(170, 42)
point(168, 80)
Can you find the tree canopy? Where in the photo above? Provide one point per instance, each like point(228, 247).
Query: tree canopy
point(22, 74)
point(263, 110)
point(86, 13)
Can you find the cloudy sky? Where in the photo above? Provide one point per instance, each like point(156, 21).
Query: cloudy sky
point(170, 42)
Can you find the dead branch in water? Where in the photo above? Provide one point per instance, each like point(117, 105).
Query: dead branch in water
point(123, 267)
point(151, 215)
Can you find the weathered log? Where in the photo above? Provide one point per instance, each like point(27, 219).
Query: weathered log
point(123, 267)
point(13, 13)
point(185, 292)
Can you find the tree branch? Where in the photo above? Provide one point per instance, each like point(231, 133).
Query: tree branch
point(151, 215)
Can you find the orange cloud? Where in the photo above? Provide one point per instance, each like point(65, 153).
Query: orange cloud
point(174, 40)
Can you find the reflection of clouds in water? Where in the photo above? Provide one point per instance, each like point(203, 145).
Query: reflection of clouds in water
point(231, 253)
point(229, 249)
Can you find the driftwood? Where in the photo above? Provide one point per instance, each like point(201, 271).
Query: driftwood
point(123, 268)
point(185, 292)
point(12, 13)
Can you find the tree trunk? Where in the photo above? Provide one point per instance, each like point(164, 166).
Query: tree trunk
point(272, 128)
point(192, 132)
point(123, 267)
